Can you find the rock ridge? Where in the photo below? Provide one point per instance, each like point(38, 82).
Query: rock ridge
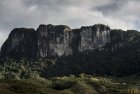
point(54, 40)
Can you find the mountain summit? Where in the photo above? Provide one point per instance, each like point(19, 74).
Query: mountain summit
point(92, 50)
point(53, 41)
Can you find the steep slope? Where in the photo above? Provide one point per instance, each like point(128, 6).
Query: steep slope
point(56, 59)
point(52, 41)
point(92, 50)
point(119, 57)
point(20, 43)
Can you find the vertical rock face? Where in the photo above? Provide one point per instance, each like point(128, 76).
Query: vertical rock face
point(51, 41)
point(94, 37)
point(89, 38)
point(21, 42)
point(75, 43)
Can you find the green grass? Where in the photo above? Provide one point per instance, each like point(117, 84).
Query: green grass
point(82, 84)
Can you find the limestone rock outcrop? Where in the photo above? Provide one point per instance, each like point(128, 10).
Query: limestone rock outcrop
point(21, 42)
point(52, 41)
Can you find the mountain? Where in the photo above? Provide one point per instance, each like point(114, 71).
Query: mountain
point(60, 60)
point(59, 50)
point(52, 41)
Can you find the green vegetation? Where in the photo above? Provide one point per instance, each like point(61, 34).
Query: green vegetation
point(117, 62)
point(23, 69)
point(46, 76)
point(82, 84)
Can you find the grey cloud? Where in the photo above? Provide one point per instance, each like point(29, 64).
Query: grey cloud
point(120, 8)
point(31, 13)
point(113, 6)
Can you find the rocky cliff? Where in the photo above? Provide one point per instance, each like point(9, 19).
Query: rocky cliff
point(21, 42)
point(92, 50)
point(52, 41)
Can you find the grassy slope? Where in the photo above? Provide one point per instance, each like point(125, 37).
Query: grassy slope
point(84, 84)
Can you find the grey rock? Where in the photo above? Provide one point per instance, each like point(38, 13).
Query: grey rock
point(52, 41)
point(20, 43)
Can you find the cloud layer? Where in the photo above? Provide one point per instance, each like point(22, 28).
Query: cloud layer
point(122, 14)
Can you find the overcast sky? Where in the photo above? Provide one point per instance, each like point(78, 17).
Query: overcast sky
point(123, 14)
